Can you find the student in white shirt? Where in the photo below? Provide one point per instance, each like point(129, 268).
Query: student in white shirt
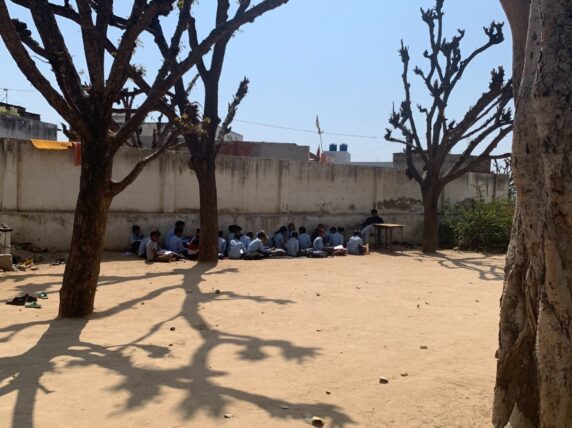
point(221, 245)
point(293, 246)
point(152, 251)
point(355, 245)
point(236, 249)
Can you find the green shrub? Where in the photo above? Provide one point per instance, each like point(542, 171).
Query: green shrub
point(482, 226)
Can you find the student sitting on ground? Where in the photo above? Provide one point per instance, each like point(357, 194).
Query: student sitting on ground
point(221, 245)
point(236, 249)
point(319, 244)
point(280, 238)
point(341, 232)
point(355, 245)
point(154, 253)
point(142, 251)
point(293, 246)
point(291, 230)
point(136, 238)
point(233, 229)
point(304, 239)
point(336, 238)
point(176, 244)
point(245, 239)
point(257, 247)
point(316, 232)
point(193, 253)
point(171, 232)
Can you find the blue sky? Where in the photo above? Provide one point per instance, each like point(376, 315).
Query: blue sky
point(334, 58)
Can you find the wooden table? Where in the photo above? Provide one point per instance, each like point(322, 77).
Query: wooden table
point(389, 228)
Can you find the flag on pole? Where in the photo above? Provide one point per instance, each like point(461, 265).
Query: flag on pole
point(318, 125)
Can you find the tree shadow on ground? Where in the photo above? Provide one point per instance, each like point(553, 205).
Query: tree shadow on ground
point(22, 374)
point(488, 268)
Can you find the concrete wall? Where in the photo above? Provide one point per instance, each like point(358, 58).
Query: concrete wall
point(13, 126)
point(38, 191)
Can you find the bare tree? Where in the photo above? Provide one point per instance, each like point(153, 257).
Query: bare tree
point(204, 132)
point(485, 124)
point(88, 108)
point(534, 381)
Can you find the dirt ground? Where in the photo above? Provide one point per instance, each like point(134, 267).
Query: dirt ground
point(282, 340)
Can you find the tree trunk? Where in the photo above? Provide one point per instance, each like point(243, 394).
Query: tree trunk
point(430, 220)
point(77, 294)
point(206, 176)
point(534, 371)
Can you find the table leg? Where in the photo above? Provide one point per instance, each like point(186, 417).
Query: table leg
point(390, 240)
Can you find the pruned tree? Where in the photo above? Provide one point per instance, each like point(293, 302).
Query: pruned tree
point(204, 132)
point(534, 369)
point(88, 108)
point(428, 146)
point(504, 167)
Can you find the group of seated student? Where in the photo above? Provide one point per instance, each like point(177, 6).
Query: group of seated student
point(284, 242)
point(176, 246)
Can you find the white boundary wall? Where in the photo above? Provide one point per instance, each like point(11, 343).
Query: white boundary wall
point(38, 190)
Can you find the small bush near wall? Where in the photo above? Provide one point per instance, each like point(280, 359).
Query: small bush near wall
point(481, 226)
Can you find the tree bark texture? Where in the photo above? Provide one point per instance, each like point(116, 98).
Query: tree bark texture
point(534, 371)
point(206, 175)
point(77, 294)
point(430, 240)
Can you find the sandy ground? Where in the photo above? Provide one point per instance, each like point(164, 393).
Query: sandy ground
point(283, 340)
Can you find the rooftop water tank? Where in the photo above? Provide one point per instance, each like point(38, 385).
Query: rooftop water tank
point(343, 147)
point(333, 147)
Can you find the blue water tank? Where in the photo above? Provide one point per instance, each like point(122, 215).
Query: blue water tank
point(333, 147)
point(343, 147)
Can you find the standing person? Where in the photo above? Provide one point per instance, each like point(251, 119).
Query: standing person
point(280, 238)
point(355, 245)
point(171, 232)
point(304, 238)
point(221, 245)
point(293, 246)
point(154, 253)
point(368, 225)
point(236, 249)
point(136, 238)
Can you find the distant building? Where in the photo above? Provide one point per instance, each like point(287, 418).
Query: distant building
point(265, 150)
point(338, 157)
point(149, 128)
point(16, 122)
